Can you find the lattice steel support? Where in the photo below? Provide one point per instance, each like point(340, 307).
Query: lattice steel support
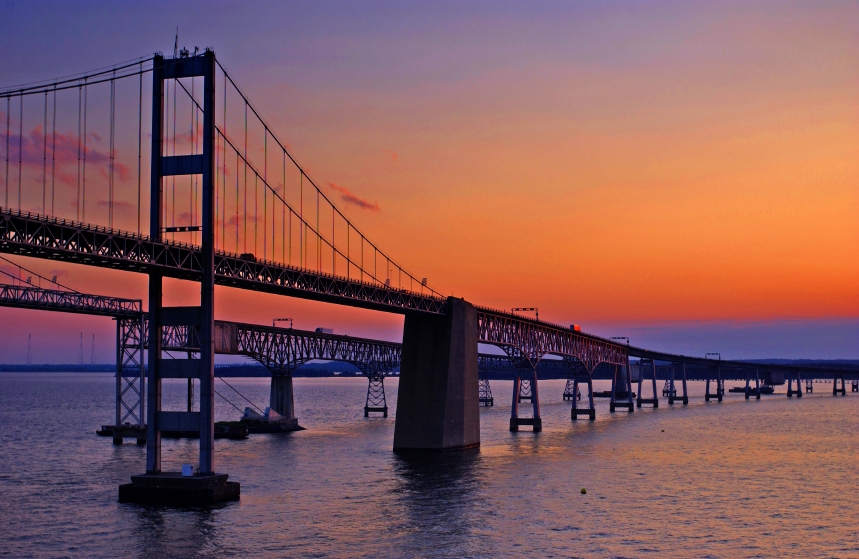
point(130, 378)
point(484, 390)
point(525, 394)
point(571, 391)
point(376, 396)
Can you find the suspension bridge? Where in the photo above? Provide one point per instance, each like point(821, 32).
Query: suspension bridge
point(226, 203)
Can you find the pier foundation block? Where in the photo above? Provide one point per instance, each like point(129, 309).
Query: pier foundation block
point(437, 404)
point(172, 488)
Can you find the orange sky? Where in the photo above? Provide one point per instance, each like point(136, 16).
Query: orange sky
point(610, 163)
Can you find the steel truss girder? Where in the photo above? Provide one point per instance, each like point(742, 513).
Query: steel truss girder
point(281, 350)
point(38, 236)
point(27, 297)
point(527, 340)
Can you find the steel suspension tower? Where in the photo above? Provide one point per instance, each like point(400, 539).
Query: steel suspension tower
point(204, 486)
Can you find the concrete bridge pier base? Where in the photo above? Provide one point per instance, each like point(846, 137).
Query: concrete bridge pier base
point(673, 397)
point(536, 422)
point(798, 391)
point(835, 390)
point(281, 398)
point(437, 403)
point(654, 401)
point(621, 390)
point(720, 387)
point(590, 411)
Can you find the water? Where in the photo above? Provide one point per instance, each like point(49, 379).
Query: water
point(736, 479)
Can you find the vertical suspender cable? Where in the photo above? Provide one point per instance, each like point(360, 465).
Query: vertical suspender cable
point(83, 175)
point(245, 236)
point(283, 220)
point(237, 201)
point(173, 209)
point(318, 237)
point(20, 149)
point(217, 187)
point(83, 181)
point(45, 159)
point(139, 143)
point(333, 251)
point(265, 195)
point(224, 143)
point(302, 249)
point(54, 153)
point(192, 182)
point(110, 184)
point(6, 182)
point(80, 114)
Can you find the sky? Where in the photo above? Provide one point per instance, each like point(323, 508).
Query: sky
point(682, 173)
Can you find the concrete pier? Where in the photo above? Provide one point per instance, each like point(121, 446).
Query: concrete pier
point(281, 397)
point(437, 405)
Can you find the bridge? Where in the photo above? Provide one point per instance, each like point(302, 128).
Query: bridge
point(280, 350)
point(248, 216)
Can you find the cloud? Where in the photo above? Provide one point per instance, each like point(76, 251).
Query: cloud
point(118, 205)
point(32, 153)
point(392, 154)
point(348, 197)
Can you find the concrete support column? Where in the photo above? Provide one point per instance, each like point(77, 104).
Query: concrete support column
point(437, 405)
point(281, 398)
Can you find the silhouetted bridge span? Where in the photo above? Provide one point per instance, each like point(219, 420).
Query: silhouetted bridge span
point(253, 219)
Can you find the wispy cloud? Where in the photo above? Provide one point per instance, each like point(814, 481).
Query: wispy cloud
point(350, 198)
point(34, 149)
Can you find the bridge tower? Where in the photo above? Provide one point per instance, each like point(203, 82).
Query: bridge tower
point(205, 486)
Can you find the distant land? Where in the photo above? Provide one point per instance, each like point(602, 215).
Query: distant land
point(548, 369)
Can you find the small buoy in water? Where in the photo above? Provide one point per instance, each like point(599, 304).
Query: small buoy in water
point(584, 491)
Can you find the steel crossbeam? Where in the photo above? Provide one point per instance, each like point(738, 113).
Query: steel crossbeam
point(37, 236)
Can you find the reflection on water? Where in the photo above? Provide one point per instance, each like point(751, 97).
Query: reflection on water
point(736, 479)
point(439, 495)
